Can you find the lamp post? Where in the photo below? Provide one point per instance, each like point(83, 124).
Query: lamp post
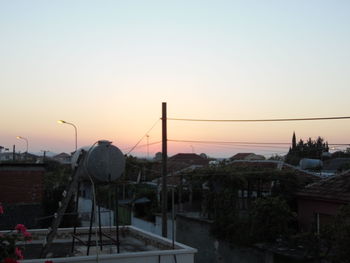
point(22, 138)
point(75, 129)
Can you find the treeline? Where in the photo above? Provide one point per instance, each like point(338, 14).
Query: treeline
point(312, 149)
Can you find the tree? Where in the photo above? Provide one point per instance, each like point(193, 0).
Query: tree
point(341, 236)
point(271, 218)
point(311, 149)
point(333, 240)
point(294, 141)
point(276, 157)
point(56, 180)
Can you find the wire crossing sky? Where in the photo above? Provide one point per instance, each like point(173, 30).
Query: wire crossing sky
point(107, 66)
point(264, 120)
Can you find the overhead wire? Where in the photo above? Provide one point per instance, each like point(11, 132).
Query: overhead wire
point(143, 136)
point(229, 142)
point(244, 142)
point(238, 120)
point(144, 145)
point(262, 120)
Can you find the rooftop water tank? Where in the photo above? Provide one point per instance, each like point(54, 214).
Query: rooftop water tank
point(104, 162)
point(310, 163)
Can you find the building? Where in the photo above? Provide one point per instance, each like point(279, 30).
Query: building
point(21, 183)
point(320, 201)
point(63, 158)
point(247, 157)
point(336, 165)
point(21, 193)
point(135, 245)
point(9, 156)
point(188, 158)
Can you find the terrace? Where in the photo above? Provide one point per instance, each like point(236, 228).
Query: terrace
point(136, 245)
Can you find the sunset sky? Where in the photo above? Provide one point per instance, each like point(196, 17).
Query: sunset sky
point(107, 66)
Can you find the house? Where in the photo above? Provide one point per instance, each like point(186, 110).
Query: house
point(63, 158)
point(188, 158)
point(9, 156)
point(21, 193)
point(29, 157)
point(182, 161)
point(320, 201)
point(247, 156)
point(336, 165)
point(21, 183)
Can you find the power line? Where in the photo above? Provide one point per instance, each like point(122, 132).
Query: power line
point(247, 143)
point(143, 136)
point(262, 120)
point(143, 145)
point(230, 142)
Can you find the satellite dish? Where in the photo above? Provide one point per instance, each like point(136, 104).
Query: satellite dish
point(103, 162)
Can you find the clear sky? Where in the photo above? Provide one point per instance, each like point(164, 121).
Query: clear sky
point(106, 66)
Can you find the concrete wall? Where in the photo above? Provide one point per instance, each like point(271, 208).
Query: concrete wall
point(154, 228)
point(144, 257)
point(196, 233)
point(181, 253)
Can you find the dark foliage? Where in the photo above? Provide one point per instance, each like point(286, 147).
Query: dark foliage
point(56, 180)
point(312, 149)
point(271, 218)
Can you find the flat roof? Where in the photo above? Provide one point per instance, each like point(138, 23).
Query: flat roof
point(134, 243)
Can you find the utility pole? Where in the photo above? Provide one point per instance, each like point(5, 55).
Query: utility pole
point(164, 172)
point(44, 154)
point(14, 153)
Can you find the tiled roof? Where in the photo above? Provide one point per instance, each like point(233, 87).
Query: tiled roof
point(62, 155)
point(304, 176)
point(335, 188)
point(255, 163)
point(188, 158)
point(240, 156)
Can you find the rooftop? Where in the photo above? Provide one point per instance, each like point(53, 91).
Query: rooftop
point(134, 243)
point(335, 188)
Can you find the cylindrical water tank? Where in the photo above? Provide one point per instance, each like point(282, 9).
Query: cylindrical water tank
point(103, 162)
point(310, 163)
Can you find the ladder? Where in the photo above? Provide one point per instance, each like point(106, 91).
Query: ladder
point(67, 195)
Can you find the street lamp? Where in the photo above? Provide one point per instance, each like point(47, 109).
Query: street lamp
point(76, 132)
point(22, 138)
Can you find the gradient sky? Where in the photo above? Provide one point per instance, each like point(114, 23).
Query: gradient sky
point(106, 66)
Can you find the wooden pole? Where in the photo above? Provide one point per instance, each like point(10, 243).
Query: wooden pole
point(164, 171)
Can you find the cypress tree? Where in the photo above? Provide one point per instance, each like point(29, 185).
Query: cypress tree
point(294, 141)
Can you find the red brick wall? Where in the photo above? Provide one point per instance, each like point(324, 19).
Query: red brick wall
point(21, 185)
point(308, 208)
